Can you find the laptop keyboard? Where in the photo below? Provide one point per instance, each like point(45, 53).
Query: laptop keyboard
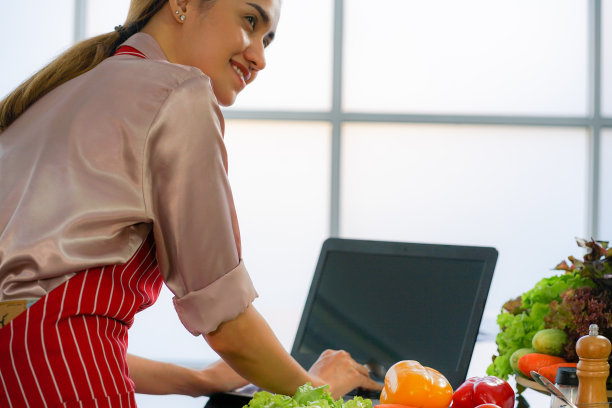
point(362, 392)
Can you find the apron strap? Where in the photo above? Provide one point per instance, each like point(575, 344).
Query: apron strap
point(127, 50)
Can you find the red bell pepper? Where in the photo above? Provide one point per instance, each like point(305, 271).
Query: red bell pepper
point(481, 390)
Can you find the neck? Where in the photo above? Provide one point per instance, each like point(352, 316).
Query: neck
point(165, 30)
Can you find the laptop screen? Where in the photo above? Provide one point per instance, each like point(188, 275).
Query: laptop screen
point(385, 302)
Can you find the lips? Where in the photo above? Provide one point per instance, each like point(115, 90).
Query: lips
point(241, 70)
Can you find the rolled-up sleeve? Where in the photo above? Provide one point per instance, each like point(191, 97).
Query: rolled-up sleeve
point(188, 197)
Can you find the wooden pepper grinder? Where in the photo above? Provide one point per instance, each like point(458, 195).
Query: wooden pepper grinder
point(593, 368)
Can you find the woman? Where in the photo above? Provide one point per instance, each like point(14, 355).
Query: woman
point(114, 180)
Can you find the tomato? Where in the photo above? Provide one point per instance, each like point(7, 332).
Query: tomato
point(488, 406)
point(477, 391)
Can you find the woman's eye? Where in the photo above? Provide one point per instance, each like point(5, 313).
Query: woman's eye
point(251, 20)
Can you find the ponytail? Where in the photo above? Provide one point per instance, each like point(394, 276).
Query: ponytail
point(77, 60)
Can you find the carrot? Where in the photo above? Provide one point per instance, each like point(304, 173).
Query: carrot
point(550, 371)
point(535, 361)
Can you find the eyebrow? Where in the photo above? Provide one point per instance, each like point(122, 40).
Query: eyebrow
point(264, 16)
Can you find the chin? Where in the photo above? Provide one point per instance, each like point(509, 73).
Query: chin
point(226, 103)
point(227, 99)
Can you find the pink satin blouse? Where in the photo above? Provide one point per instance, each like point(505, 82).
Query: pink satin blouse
point(131, 147)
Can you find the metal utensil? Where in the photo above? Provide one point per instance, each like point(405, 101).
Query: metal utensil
point(543, 381)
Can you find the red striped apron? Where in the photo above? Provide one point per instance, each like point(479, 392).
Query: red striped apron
point(69, 348)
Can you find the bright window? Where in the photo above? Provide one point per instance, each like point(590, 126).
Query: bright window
point(103, 16)
point(280, 175)
point(33, 33)
point(515, 57)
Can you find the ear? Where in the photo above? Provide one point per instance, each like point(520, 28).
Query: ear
point(179, 9)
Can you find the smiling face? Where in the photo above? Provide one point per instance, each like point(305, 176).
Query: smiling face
point(226, 39)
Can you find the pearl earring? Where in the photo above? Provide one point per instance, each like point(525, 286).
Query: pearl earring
point(182, 17)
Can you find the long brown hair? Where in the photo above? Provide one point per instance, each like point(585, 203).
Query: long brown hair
point(77, 60)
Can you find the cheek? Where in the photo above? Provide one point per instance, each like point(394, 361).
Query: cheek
point(204, 61)
point(212, 59)
point(197, 49)
point(233, 42)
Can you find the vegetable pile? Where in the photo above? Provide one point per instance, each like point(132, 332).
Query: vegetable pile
point(305, 396)
point(550, 318)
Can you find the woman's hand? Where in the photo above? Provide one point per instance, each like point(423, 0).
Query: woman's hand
point(156, 377)
point(343, 374)
point(222, 377)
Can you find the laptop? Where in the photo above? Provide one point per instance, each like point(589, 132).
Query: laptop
point(389, 301)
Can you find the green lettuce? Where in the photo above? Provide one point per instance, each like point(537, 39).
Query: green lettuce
point(518, 328)
point(549, 289)
point(305, 396)
point(517, 332)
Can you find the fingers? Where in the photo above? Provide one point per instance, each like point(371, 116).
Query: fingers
point(338, 369)
point(363, 370)
point(359, 373)
point(366, 381)
point(370, 384)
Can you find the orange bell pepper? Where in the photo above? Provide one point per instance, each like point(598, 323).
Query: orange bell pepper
point(409, 383)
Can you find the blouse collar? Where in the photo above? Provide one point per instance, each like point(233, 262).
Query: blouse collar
point(146, 44)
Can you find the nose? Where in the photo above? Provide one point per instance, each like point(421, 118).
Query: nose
point(255, 55)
